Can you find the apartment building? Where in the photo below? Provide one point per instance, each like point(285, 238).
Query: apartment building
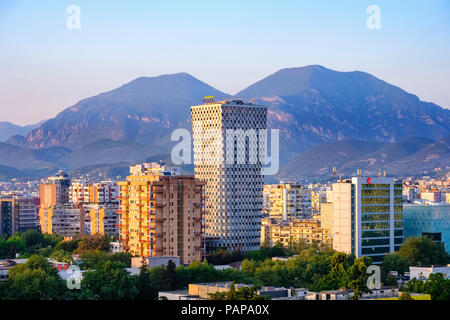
point(285, 232)
point(326, 217)
point(102, 217)
point(17, 215)
point(287, 200)
point(64, 219)
point(55, 190)
point(317, 198)
point(161, 213)
point(367, 216)
point(229, 145)
point(103, 192)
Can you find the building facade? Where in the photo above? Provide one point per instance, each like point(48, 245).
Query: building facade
point(229, 145)
point(326, 217)
point(64, 219)
point(367, 216)
point(161, 214)
point(432, 221)
point(103, 192)
point(275, 231)
point(17, 215)
point(287, 200)
point(56, 190)
point(103, 218)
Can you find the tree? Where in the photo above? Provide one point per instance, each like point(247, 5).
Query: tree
point(108, 282)
point(4, 249)
point(248, 266)
point(61, 256)
point(16, 245)
point(93, 258)
point(415, 285)
point(390, 280)
point(223, 256)
point(438, 287)
point(94, 242)
point(144, 285)
point(357, 276)
point(122, 257)
point(423, 251)
point(405, 296)
point(34, 280)
point(68, 246)
point(395, 262)
point(171, 275)
point(33, 240)
point(243, 293)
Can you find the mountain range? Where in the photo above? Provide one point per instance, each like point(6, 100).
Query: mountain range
point(412, 156)
point(8, 129)
point(315, 109)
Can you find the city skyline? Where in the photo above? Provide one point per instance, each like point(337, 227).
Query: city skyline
point(47, 68)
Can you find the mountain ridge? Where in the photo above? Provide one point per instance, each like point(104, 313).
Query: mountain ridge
point(310, 105)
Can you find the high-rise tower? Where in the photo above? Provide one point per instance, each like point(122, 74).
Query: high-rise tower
point(229, 145)
point(367, 216)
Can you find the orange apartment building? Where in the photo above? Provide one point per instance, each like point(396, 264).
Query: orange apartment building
point(161, 213)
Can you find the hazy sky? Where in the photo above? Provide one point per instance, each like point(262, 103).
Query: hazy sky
point(46, 67)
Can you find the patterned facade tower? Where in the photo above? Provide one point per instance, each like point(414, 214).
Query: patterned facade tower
point(229, 146)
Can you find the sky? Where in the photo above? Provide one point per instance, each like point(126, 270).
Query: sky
point(46, 67)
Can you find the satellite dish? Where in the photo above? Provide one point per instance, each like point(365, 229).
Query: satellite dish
point(17, 255)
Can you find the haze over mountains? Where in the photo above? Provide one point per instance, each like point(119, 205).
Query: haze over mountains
point(310, 105)
point(8, 129)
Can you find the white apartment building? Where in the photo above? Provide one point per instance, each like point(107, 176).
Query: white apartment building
point(367, 216)
point(287, 200)
point(232, 169)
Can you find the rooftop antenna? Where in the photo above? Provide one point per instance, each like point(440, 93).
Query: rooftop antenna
point(358, 172)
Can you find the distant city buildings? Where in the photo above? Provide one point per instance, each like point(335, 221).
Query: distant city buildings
point(161, 213)
point(367, 216)
point(55, 191)
point(227, 156)
point(102, 192)
point(76, 209)
point(434, 196)
point(287, 200)
point(317, 198)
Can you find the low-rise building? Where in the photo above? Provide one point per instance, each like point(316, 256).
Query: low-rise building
point(202, 291)
point(423, 272)
point(136, 262)
point(285, 232)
